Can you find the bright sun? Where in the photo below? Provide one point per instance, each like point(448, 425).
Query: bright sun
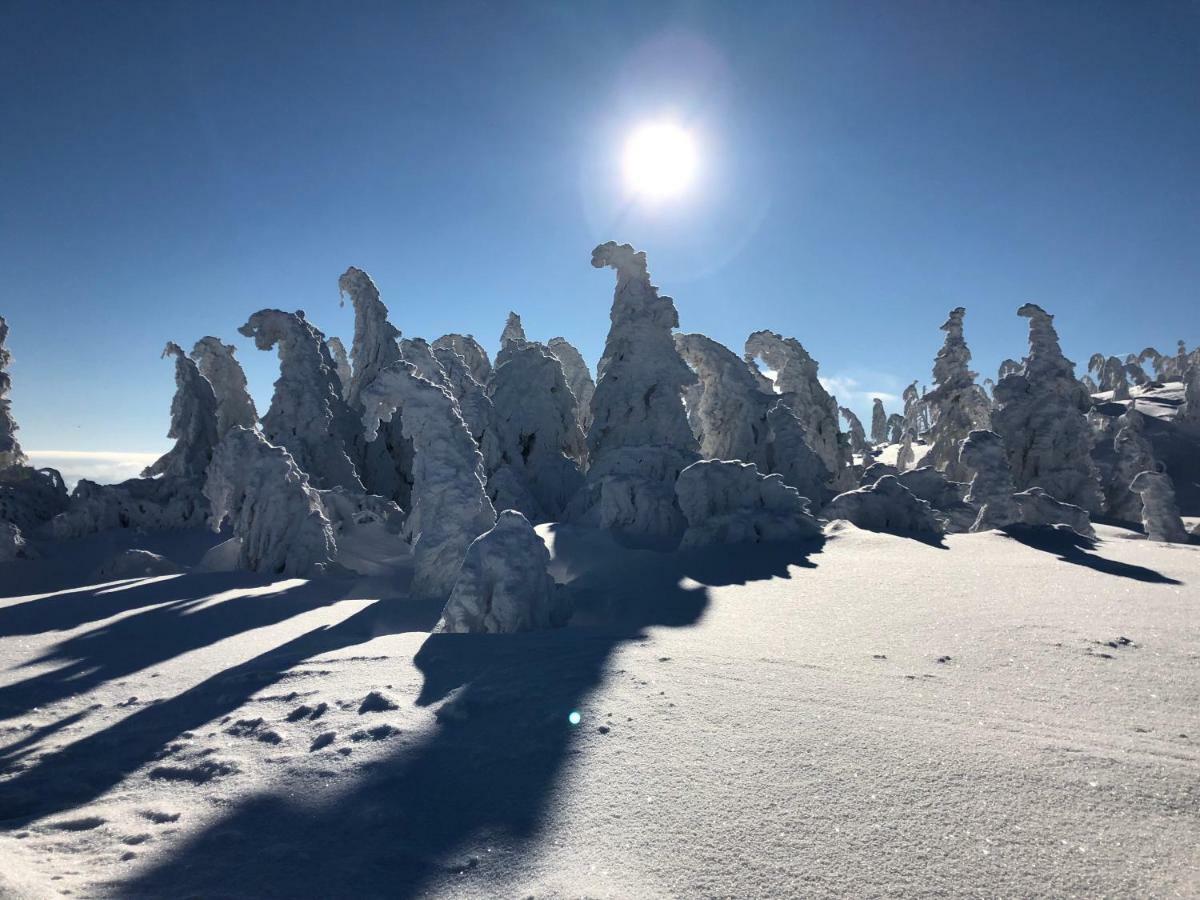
point(660, 160)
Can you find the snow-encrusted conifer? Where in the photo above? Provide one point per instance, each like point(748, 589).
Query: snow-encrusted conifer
point(906, 456)
point(579, 379)
point(10, 449)
point(471, 351)
point(858, 435)
point(895, 428)
point(275, 514)
point(1191, 395)
point(957, 404)
point(1110, 375)
point(729, 413)
point(503, 586)
point(513, 333)
point(729, 502)
point(1040, 416)
point(790, 456)
point(879, 421)
point(1160, 513)
point(992, 486)
point(450, 507)
point(341, 363)
point(193, 423)
point(217, 363)
point(1134, 454)
point(1039, 508)
point(473, 401)
point(418, 352)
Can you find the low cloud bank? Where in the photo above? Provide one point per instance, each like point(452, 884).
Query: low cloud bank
point(105, 467)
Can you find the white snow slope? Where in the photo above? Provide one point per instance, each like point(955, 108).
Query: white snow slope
point(874, 716)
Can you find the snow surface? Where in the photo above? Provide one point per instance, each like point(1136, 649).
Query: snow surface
point(1010, 715)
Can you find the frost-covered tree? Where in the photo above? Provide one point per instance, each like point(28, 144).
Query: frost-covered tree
point(887, 506)
point(1191, 395)
point(730, 502)
point(879, 422)
point(796, 379)
point(1039, 508)
point(30, 497)
point(385, 463)
point(1134, 454)
point(503, 586)
point(944, 495)
point(217, 363)
point(193, 423)
point(341, 363)
point(728, 413)
point(1135, 372)
point(538, 438)
point(10, 449)
point(1040, 416)
point(513, 334)
point(418, 352)
point(790, 456)
point(579, 379)
point(992, 486)
point(1110, 375)
point(450, 506)
point(276, 516)
point(906, 456)
point(308, 415)
point(858, 435)
point(895, 428)
point(958, 405)
point(473, 401)
point(1160, 513)
point(471, 351)
point(640, 439)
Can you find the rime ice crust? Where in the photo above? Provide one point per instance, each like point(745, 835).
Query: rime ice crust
point(341, 363)
point(879, 430)
point(308, 415)
point(217, 363)
point(538, 439)
point(10, 449)
point(1134, 454)
point(579, 379)
point(992, 486)
point(957, 406)
point(727, 411)
point(886, 506)
point(729, 502)
point(193, 423)
point(1039, 508)
point(1160, 513)
point(450, 506)
point(470, 350)
point(790, 456)
point(858, 436)
point(503, 586)
point(274, 513)
point(1040, 416)
point(513, 334)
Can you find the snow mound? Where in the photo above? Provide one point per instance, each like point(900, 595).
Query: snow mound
point(730, 502)
point(134, 563)
point(1039, 508)
point(887, 505)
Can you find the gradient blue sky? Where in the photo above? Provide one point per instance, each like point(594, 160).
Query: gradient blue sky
point(169, 168)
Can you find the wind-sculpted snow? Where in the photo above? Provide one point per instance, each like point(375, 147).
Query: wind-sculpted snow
point(879, 420)
point(503, 586)
point(579, 379)
point(944, 495)
point(30, 497)
point(217, 363)
point(341, 363)
point(640, 439)
point(10, 449)
point(1160, 512)
point(1040, 415)
point(1039, 508)
point(729, 502)
point(538, 438)
point(992, 487)
point(193, 423)
point(470, 350)
point(957, 404)
point(1134, 454)
point(275, 514)
point(858, 436)
point(796, 379)
point(886, 506)
point(728, 413)
point(450, 506)
point(790, 456)
point(308, 416)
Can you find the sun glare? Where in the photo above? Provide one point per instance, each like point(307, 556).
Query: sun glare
point(660, 160)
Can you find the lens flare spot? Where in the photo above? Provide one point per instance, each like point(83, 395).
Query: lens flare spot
point(574, 718)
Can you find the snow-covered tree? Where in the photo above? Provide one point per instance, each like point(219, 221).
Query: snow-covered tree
point(1134, 454)
point(471, 351)
point(729, 413)
point(450, 506)
point(1040, 416)
point(958, 406)
point(308, 415)
point(217, 363)
point(10, 449)
point(30, 497)
point(341, 363)
point(538, 438)
point(503, 586)
point(1160, 513)
point(193, 423)
point(790, 455)
point(944, 495)
point(1111, 375)
point(729, 502)
point(473, 402)
point(1039, 508)
point(858, 435)
point(888, 506)
point(418, 352)
point(879, 421)
point(992, 486)
point(906, 456)
point(1191, 394)
point(895, 428)
point(276, 516)
point(579, 379)
point(513, 333)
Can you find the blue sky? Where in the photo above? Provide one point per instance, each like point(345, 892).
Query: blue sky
point(169, 168)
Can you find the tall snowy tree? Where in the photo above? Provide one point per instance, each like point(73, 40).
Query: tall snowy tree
point(218, 364)
point(728, 413)
point(193, 423)
point(10, 449)
point(858, 435)
point(471, 351)
point(958, 404)
point(341, 362)
point(579, 379)
point(879, 421)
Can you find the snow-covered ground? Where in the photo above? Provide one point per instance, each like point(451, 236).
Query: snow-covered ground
point(870, 716)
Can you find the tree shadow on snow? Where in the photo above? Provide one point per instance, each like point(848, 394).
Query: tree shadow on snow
point(470, 792)
point(1071, 547)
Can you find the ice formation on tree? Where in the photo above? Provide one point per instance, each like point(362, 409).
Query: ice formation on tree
point(418, 352)
point(1110, 375)
point(790, 456)
point(513, 333)
point(216, 362)
point(1160, 513)
point(729, 502)
point(957, 405)
point(384, 463)
point(992, 486)
point(879, 421)
point(728, 413)
point(905, 456)
point(470, 350)
point(537, 435)
point(341, 364)
point(796, 379)
point(503, 586)
point(1134, 454)
point(1008, 367)
point(640, 439)
point(1191, 394)
point(1040, 416)
point(10, 449)
point(149, 504)
point(895, 428)
point(275, 514)
point(193, 423)
point(450, 506)
point(473, 401)
point(308, 416)
point(1135, 372)
point(579, 379)
point(1039, 508)
point(944, 495)
point(885, 506)
point(858, 436)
